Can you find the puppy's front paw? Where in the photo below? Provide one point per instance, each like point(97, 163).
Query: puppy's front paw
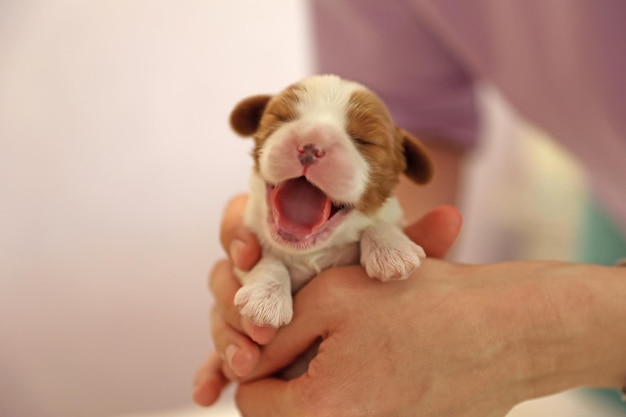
point(389, 255)
point(265, 304)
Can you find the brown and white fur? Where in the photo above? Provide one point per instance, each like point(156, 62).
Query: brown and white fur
point(327, 157)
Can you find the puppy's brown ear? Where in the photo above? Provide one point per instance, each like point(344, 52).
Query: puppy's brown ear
point(245, 117)
point(419, 167)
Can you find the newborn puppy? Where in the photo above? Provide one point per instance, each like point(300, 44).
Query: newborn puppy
point(327, 157)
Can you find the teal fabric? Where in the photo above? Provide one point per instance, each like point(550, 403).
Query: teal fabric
point(602, 242)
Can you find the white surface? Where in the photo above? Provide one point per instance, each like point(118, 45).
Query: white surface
point(116, 159)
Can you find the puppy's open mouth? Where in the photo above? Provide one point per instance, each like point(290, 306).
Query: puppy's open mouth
point(301, 214)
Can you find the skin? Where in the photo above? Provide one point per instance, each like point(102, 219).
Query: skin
point(454, 340)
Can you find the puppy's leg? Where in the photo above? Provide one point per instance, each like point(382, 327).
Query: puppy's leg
point(265, 297)
point(387, 253)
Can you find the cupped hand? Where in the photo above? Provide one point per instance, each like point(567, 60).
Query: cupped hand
point(413, 347)
point(236, 339)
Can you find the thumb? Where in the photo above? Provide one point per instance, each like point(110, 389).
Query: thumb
point(241, 244)
point(437, 230)
point(269, 397)
point(312, 318)
point(266, 398)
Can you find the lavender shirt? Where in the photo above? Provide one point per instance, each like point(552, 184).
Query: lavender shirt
point(560, 63)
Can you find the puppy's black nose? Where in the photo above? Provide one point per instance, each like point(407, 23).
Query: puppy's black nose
point(309, 154)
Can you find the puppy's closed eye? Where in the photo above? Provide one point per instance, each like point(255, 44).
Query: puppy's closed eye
point(363, 142)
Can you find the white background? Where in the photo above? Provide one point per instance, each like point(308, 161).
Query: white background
point(115, 162)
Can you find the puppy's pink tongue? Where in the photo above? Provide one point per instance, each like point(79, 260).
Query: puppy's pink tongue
point(299, 207)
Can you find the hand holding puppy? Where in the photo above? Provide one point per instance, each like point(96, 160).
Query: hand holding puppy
point(456, 340)
point(327, 156)
point(436, 232)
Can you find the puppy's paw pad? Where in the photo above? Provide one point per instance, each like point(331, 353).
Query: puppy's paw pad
point(265, 304)
point(392, 263)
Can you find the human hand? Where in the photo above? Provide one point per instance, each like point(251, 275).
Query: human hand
point(234, 337)
point(453, 340)
point(442, 343)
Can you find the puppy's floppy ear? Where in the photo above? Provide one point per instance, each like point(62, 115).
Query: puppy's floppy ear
point(245, 117)
point(419, 167)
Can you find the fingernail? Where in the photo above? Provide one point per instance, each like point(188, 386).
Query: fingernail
point(261, 335)
point(241, 364)
point(230, 352)
point(236, 251)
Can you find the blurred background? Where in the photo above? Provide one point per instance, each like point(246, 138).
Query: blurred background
point(116, 160)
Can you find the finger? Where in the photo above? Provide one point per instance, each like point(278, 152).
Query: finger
point(437, 231)
point(240, 353)
point(264, 397)
point(240, 244)
point(209, 381)
point(314, 318)
point(244, 249)
point(290, 342)
point(232, 219)
point(261, 335)
point(224, 285)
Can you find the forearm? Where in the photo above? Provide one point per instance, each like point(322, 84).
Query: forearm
point(576, 335)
